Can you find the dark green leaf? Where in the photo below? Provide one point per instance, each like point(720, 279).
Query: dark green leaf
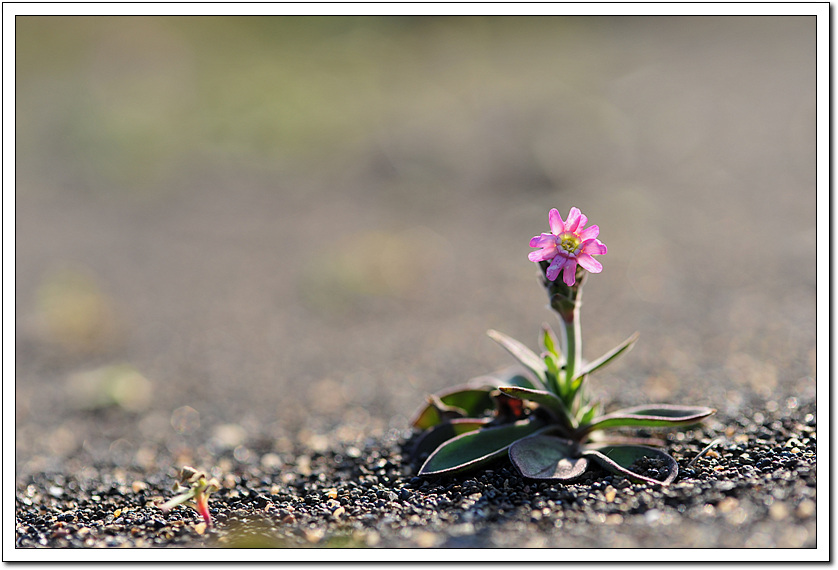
point(609, 356)
point(477, 448)
point(621, 459)
point(543, 398)
point(655, 415)
point(460, 402)
point(547, 457)
point(524, 355)
point(436, 436)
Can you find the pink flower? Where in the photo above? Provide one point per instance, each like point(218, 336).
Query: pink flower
point(568, 244)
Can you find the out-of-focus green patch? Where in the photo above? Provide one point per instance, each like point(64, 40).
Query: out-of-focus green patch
point(118, 385)
point(75, 313)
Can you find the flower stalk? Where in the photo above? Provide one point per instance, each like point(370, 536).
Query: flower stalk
point(566, 300)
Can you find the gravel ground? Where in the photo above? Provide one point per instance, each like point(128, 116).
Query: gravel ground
point(757, 488)
point(273, 310)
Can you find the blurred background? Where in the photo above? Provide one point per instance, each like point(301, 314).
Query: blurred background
point(294, 228)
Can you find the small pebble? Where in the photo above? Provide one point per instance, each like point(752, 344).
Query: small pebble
point(778, 511)
point(805, 509)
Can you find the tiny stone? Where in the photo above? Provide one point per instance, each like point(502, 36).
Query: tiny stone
point(425, 539)
point(614, 519)
point(727, 504)
point(652, 516)
point(805, 509)
point(778, 511)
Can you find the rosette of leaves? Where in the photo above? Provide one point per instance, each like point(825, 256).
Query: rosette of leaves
point(541, 417)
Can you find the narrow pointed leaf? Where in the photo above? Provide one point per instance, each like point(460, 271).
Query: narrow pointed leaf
point(575, 385)
point(177, 500)
point(437, 435)
point(588, 413)
point(655, 415)
point(477, 448)
point(554, 367)
point(621, 458)
point(468, 402)
point(554, 372)
point(550, 342)
point(606, 358)
point(543, 398)
point(524, 355)
point(547, 457)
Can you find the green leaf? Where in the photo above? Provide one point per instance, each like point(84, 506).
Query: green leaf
point(177, 500)
point(477, 448)
point(588, 413)
point(554, 372)
point(606, 358)
point(655, 415)
point(620, 459)
point(575, 385)
point(543, 398)
point(462, 402)
point(437, 435)
point(525, 356)
point(550, 342)
point(547, 457)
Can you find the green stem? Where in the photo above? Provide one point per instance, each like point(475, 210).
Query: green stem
point(567, 301)
point(573, 334)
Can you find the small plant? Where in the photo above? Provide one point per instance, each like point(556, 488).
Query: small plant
point(541, 415)
point(197, 494)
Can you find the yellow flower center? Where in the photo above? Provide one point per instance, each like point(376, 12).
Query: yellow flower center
point(569, 242)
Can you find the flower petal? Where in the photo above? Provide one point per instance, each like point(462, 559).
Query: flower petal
point(556, 266)
point(594, 247)
point(569, 276)
point(589, 233)
point(589, 263)
point(556, 223)
point(543, 254)
point(573, 219)
point(542, 240)
point(583, 219)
